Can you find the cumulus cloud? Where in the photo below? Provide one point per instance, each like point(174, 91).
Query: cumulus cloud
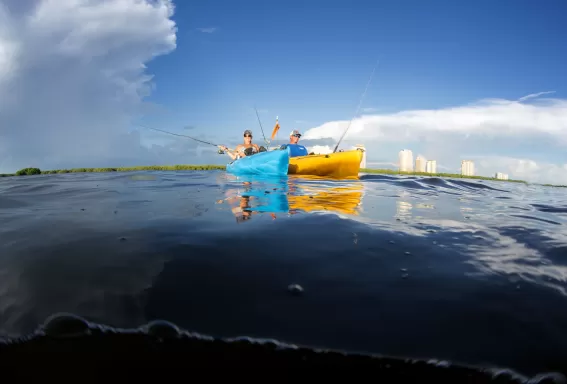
point(519, 131)
point(72, 78)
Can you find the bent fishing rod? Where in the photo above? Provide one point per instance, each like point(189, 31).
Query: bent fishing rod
point(180, 135)
point(357, 109)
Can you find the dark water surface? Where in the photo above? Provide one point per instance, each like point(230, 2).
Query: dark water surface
point(470, 271)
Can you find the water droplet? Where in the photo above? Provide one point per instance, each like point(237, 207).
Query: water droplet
point(407, 253)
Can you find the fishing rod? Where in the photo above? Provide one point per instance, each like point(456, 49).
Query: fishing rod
point(180, 135)
point(359, 104)
point(259, 122)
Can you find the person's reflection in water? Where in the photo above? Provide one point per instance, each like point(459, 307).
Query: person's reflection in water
point(243, 211)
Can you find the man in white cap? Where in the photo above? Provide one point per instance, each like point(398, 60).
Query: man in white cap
point(294, 148)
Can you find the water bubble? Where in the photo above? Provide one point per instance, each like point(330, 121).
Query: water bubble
point(162, 329)
point(65, 325)
point(548, 378)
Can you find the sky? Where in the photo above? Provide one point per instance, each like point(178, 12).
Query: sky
point(81, 82)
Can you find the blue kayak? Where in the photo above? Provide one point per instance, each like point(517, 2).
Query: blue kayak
point(271, 163)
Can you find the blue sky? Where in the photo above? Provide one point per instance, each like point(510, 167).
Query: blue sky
point(484, 80)
point(309, 61)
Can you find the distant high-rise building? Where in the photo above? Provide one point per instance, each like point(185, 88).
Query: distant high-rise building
point(406, 160)
point(420, 164)
point(467, 168)
point(431, 166)
point(501, 176)
point(363, 161)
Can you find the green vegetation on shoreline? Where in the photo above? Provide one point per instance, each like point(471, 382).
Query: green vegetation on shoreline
point(37, 171)
point(451, 175)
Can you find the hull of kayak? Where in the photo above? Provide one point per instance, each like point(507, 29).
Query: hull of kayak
point(272, 163)
point(337, 165)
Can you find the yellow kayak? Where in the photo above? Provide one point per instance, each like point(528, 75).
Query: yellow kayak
point(339, 164)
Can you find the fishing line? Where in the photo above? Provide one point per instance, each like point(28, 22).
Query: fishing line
point(259, 122)
point(359, 104)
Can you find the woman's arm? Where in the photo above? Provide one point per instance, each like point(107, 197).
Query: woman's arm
point(233, 156)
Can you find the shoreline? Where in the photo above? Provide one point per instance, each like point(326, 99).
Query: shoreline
point(210, 167)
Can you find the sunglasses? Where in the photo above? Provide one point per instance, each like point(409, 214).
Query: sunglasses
point(298, 135)
point(248, 136)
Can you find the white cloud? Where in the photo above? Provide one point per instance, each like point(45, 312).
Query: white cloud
point(523, 169)
point(207, 30)
point(320, 149)
point(489, 129)
point(73, 75)
point(493, 117)
point(534, 95)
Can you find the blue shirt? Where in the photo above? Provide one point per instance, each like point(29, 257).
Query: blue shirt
point(295, 150)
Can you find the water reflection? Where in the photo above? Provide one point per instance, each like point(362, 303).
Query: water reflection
point(403, 209)
point(251, 195)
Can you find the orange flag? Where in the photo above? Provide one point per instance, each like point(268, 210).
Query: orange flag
point(276, 129)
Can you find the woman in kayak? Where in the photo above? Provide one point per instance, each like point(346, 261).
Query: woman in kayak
point(243, 150)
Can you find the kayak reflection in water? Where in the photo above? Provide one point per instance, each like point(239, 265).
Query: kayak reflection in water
point(245, 149)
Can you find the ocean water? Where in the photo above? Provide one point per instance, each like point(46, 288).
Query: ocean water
point(464, 270)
